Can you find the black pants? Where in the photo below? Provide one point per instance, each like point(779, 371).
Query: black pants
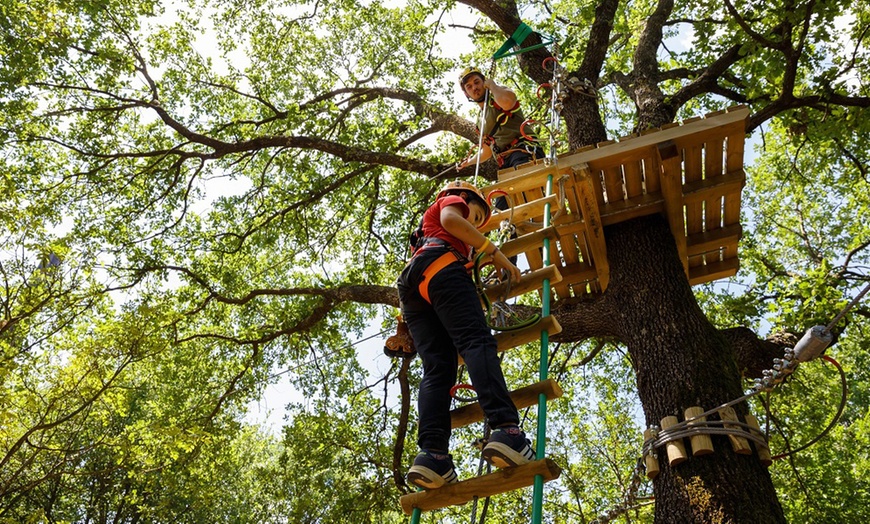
point(454, 323)
point(517, 158)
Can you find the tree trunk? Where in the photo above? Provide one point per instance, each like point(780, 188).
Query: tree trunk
point(680, 361)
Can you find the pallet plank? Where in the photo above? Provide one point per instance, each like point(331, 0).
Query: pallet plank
point(714, 271)
point(633, 178)
point(594, 227)
point(672, 192)
point(709, 240)
point(692, 173)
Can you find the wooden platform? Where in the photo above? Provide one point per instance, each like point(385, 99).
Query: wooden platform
point(692, 172)
point(500, 481)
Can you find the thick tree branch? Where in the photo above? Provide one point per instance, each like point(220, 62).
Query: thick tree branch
point(752, 354)
point(744, 24)
point(707, 80)
point(653, 110)
point(599, 41)
point(819, 101)
point(440, 120)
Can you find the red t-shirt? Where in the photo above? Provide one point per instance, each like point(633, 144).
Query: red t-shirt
point(432, 222)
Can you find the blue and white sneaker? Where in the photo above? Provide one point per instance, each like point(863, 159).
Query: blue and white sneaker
point(432, 470)
point(508, 447)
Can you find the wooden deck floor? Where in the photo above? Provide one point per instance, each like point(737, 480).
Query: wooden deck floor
point(692, 172)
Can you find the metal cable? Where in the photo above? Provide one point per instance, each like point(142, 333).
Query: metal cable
point(849, 306)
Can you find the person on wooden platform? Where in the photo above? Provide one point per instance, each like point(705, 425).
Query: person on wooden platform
point(503, 136)
point(441, 307)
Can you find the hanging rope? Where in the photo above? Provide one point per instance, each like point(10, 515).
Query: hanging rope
point(500, 317)
point(483, 466)
point(834, 420)
point(482, 124)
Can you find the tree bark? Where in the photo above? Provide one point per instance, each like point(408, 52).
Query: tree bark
point(680, 361)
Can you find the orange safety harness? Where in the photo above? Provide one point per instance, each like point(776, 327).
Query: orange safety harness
point(438, 264)
point(524, 140)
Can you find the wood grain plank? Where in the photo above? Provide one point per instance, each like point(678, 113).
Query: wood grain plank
point(500, 481)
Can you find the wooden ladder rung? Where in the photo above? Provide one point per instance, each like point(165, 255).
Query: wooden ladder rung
point(531, 281)
point(500, 481)
point(522, 398)
point(531, 210)
point(528, 241)
point(512, 339)
point(518, 337)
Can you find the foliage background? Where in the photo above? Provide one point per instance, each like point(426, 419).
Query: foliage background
point(188, 190)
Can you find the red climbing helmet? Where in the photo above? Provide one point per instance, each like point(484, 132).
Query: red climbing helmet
point(467, 192)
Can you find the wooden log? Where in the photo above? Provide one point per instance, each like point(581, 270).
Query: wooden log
point(651, 463)
point(675, 448)
point(522, 398)
point(701, 444)
point(500, 481)
point(531, 210)
point(763, 450)
point(528, 241)
point(738, 443)
point(512, 339)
